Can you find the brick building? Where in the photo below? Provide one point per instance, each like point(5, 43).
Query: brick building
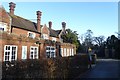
point(23, 39)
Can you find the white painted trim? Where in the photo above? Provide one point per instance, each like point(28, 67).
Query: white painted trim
point(34, 35)
point(10, 56)
point(65, 52)
point(3, 25)
point(25, 54)
point(51, 51)
point(33, 52)
point(62, 52)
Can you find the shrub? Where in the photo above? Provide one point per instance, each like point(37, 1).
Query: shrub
point(68, 67)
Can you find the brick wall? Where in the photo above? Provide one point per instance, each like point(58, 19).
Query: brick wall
point(4, 16)
point(11, 39)
point(45, 30)
point(19, 41)
point(22, 32)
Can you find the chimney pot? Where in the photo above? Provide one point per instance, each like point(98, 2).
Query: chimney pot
point(63, 24)
point(12, 6)
point(50, 24)
point(39, 13)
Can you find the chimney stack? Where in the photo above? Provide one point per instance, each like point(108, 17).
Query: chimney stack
point(63, 26)
point(50, 24)
point(12, 6)
point(39, 13)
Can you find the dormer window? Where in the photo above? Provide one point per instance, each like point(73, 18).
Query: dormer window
point(45, 36)
point(31, 34)
point(53, 39)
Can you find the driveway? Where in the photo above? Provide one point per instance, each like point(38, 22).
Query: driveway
point(105, 68)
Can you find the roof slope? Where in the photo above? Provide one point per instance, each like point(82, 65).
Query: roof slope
point(54, 33)
point(20, 22)
point(58, 32)
point(4, 17)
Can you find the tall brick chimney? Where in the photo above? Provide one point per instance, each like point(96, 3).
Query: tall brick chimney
point(12, 6)
point(50, 24)
point(63, 26)
point(39, 13)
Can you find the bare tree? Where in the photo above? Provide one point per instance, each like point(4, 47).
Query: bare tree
point(99, 40)
point(88, 38)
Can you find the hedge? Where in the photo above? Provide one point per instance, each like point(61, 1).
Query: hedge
point(69, 67)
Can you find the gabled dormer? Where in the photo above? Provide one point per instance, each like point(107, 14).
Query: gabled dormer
point(45, 32)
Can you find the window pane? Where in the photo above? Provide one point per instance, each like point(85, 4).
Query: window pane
point(13, 53)
point(13, 48)
point(2, 29)
point(35, 49)
point(31, 48)
point(6, 58)
point(31, 56)
point(6, 53)
point(31, 53)
point(7, 47)
point(12, 57)
point(34, 53)
point(10, 52)
point(35, 56)
point(47, 48)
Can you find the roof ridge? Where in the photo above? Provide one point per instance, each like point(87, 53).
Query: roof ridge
point(20, 17)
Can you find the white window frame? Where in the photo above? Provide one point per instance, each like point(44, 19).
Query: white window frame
point(72, 52)
point(50, 52)
point(54, 39)
point(33, 51)
point(68, 54)
point(62, 52)
point(65, 52)
point(32, 35)
point(45, 36)
point(24, 52)
point(11, 52)
point(3, 26)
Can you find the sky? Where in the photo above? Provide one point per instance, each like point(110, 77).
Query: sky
point(100, 17)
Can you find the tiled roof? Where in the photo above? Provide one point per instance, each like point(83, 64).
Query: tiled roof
point(4, 17)
point(58, 32)
point(22, 23)
point(52, 32)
